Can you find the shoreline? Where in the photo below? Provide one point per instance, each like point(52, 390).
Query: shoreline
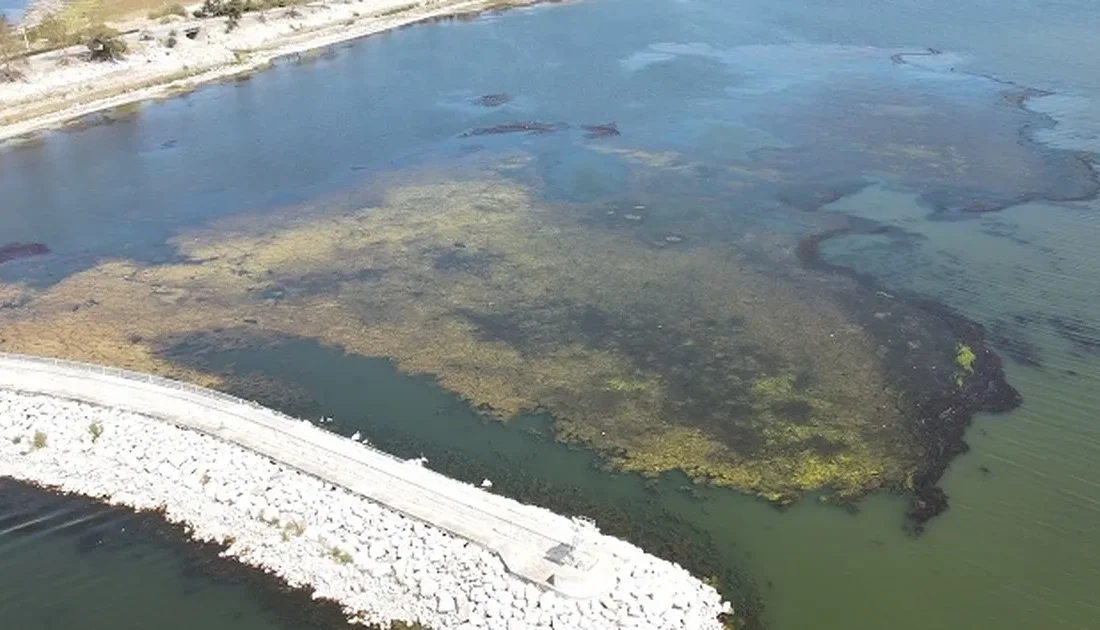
point(375, 559)
point(55, 94)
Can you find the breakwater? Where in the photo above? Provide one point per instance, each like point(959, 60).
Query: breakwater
point(377, 561)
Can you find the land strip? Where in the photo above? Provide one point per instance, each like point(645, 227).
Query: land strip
point(174, 54)
point(522, 536)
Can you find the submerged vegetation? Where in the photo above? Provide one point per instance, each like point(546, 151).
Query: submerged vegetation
point(691, 353)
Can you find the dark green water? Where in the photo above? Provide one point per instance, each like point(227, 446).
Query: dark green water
point(806, 90)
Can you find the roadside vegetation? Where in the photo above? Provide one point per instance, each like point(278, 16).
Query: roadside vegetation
point(233, 10)
point(81, 23)
point(167, 10)
point(12, 47)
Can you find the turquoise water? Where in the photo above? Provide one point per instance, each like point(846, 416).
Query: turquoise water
point(807, 90)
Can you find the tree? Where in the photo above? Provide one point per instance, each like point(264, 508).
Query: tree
point(230, 9)
point(54, 30)
point(104, 43)
point(68, 25)
point(11, 47)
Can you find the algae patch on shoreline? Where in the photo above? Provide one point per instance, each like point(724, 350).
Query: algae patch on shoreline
point(664, 354)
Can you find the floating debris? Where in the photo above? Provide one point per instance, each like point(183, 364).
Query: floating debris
point(493, 100)
point(528, 126)
point(601, 131)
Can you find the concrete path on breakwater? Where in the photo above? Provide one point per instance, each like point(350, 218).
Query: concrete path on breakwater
point(530, 541)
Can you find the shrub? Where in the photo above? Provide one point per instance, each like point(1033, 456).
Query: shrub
point(10, 74)
point(95, 429)
point(230, 9)
point(66, 26)
point(11, 44)
point(39, 440)
point(293, 528)
point(104, 43)
point(220, 8)
point(340, 556)
point(54, 30)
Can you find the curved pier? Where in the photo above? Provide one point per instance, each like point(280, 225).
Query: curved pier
point(534, 544)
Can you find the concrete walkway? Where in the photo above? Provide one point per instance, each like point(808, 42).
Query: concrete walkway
point(529, 540)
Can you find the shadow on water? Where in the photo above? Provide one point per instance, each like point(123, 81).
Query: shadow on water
point(410, 416)
point(94, 555)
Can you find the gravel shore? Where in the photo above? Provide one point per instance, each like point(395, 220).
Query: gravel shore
point(379, 564)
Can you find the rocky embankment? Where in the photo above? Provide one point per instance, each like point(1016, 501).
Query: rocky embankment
point(377, 563)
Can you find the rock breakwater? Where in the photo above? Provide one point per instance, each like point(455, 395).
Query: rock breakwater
point(378, 564)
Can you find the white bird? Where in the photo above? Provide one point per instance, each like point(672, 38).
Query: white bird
point(485, 483)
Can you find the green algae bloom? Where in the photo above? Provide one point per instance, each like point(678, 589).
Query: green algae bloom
point(964, 358)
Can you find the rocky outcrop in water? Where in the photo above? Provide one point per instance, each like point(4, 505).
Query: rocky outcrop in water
point(12, 251)
point(378, 564)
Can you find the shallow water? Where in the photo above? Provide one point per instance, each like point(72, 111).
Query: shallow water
point(767, 109)
point(12, 9)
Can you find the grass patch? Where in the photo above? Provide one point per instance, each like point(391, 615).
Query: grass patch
point(396, 10)
point(292, 529)
point(165, 11)
point(340, 556)
point(95, 430)
point(39, 440)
